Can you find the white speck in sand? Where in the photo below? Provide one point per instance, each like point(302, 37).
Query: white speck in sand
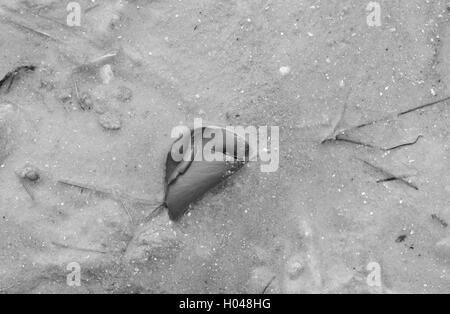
point(285, 70)
point(106, 74)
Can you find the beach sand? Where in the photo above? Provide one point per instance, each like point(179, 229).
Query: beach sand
point(320, 224)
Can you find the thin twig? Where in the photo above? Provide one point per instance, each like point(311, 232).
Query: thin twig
point(27, 189)
point(348, 140)
point(125, 207)
point(404, 145)
point(156, 212)
point(62, 24)
point(390, 179)
point(96, 62)
point(440, 220)
point(339, 138)
point(341, 117)
point(13, 75)
point(389, 175)
point(268, 285)
point(91, 8)
point(70, 247)
point(77, 91)
point(31, 30)
point(51, 19)
point(3, 11)
point(107, 192)
point(424, 106)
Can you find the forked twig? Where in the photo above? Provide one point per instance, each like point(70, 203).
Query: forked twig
point(389, 176)
point(335, 137)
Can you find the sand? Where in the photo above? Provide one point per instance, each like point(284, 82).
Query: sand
point(320, 224)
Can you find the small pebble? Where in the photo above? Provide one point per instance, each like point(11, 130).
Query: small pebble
point(29, 173)
point(110, 121)
point(295, 266)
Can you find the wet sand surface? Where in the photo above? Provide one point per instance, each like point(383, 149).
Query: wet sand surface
point(314, 226)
